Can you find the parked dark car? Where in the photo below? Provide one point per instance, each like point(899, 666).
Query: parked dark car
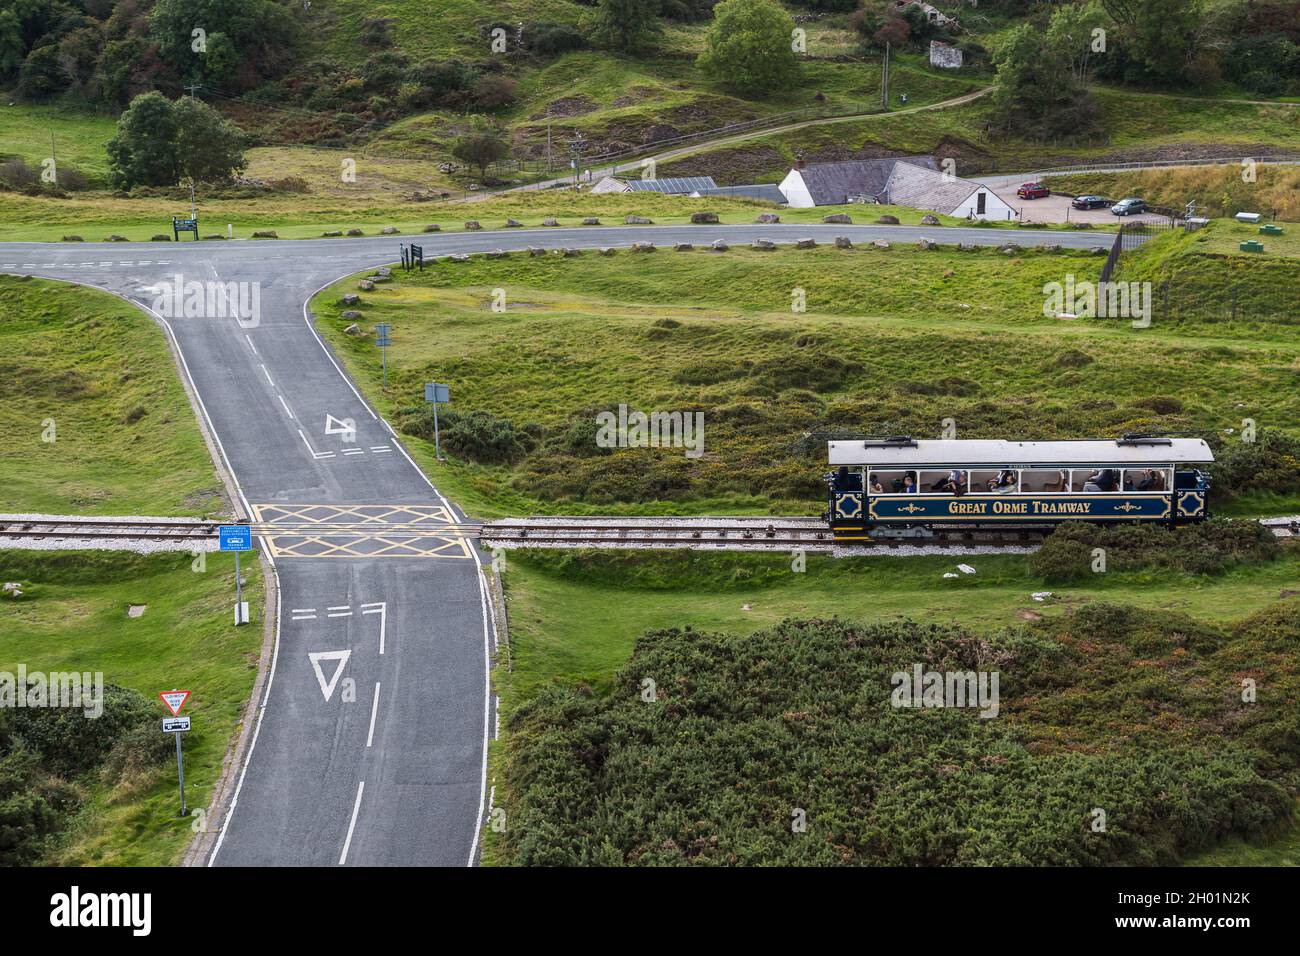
point(1033, 191)
point(1127, 207)
point(1089, 202)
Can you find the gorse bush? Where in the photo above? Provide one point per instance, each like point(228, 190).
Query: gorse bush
point(477, 435)
point(1207, 548)
point(1113, 707)
point(45, 751)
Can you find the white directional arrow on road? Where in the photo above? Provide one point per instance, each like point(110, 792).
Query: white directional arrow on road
point(327, 689)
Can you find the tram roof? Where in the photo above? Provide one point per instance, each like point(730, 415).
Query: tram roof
point(1010, 454)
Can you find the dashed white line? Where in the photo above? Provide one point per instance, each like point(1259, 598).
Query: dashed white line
point(374, 709)
point(356, 808)
point(267, 374)
point(340, 614)
point(354, 451)
point(285, 404)
point(250, 343)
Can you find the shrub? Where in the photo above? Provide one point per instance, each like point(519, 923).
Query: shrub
point(478, 435)
point(1271, 463)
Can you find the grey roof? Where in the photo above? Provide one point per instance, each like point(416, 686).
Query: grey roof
point(925, 189)
point(680, 184)
point(769, 191)
point(831, 184)
point(1011, 453)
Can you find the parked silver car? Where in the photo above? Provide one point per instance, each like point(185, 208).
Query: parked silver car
point(1126, 207)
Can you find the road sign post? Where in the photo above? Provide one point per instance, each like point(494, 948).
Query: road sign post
point(175, 700)
point(236, 538)
point(436, 395)
point(382, 340)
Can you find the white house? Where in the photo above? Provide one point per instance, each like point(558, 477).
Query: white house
point(913, 181)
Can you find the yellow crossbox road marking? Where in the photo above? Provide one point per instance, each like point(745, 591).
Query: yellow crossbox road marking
point(360, 531)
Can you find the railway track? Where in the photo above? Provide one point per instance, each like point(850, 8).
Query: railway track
point(702, 533)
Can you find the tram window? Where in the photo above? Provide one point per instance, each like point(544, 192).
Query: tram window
point(888, 481)
point(1147, 479)
point(942, 482)
point(1097, 480)
point(1039, 480)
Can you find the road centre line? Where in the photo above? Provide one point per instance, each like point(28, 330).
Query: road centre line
point(267, 374)
point(374, 709)
point(356, 808)
point(285, 404)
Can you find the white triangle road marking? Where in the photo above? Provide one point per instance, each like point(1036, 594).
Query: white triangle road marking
point(327, 689)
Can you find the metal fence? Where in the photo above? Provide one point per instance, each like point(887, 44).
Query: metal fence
point(1133, 234)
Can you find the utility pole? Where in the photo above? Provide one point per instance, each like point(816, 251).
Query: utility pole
point(548, 137)
point(576, 147)
point(884, 79)
point(54, 160)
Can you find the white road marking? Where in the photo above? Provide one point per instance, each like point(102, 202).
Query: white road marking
point(356, 808)
point(374, 709)
point(327, 690)
point(314, 452)
point(354, 451)
point(285, 404)
point(380, 608)
point(267, 374)
point(302, 610)
point(339, 607)
point(380, 449)
point(340, 614)
point(250, 343)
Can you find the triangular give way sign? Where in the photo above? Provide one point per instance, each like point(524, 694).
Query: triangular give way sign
point(175, 700)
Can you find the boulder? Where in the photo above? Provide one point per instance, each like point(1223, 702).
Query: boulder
point(534, 251)
point(351, 314)
point(388, 231)
point(929, 220)
point(352, 299)
point(880, 243)
point(79, 239)
point(355, 232)
point(638, 221)
point(842, 242)
point(703, 218)
point(514, 224)
point(459, 258)
point(927, 244)
point(549, 222)
point(839, 219)
point(887, 220)
point(161, 237)
point(383, 272)
point(116, 238)
point(332, 234)
point(606, 251)
point(353, 329)
point(497, 254)
point(365, 285)
point(768, 217)
point(805, 243)
point(1054, 247)
point(1009, 249)
point(683, 247)
point(719, 245)
point(472, 224)
point(432, 227)
point(967, 247)
point(569, 253)
point(591, 221)
point(643, 247)
point(1099, 251)
point(763, 245)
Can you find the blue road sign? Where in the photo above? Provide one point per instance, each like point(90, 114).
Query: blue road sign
point(235, 537)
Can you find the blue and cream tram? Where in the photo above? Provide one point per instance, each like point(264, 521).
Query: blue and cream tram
point(897, 485)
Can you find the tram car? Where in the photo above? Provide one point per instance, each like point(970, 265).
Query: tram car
point(901, 487)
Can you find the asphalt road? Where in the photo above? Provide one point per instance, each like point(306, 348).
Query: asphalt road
point(370, 748)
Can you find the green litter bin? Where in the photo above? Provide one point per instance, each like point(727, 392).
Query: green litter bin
point(1252, 245)
point(1270, 230)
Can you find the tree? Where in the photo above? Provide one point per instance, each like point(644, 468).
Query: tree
point(627, 26)
point(749, 46)
point(1034, 96)
point(1158, 38)
point(205, 39)
point(42, 74)
point(1071, 37)
point(158, 142)
point(481, 146)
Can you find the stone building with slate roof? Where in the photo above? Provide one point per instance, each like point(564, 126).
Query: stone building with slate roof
point(913, 181)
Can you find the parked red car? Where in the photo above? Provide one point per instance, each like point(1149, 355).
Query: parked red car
point(1033, 191)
